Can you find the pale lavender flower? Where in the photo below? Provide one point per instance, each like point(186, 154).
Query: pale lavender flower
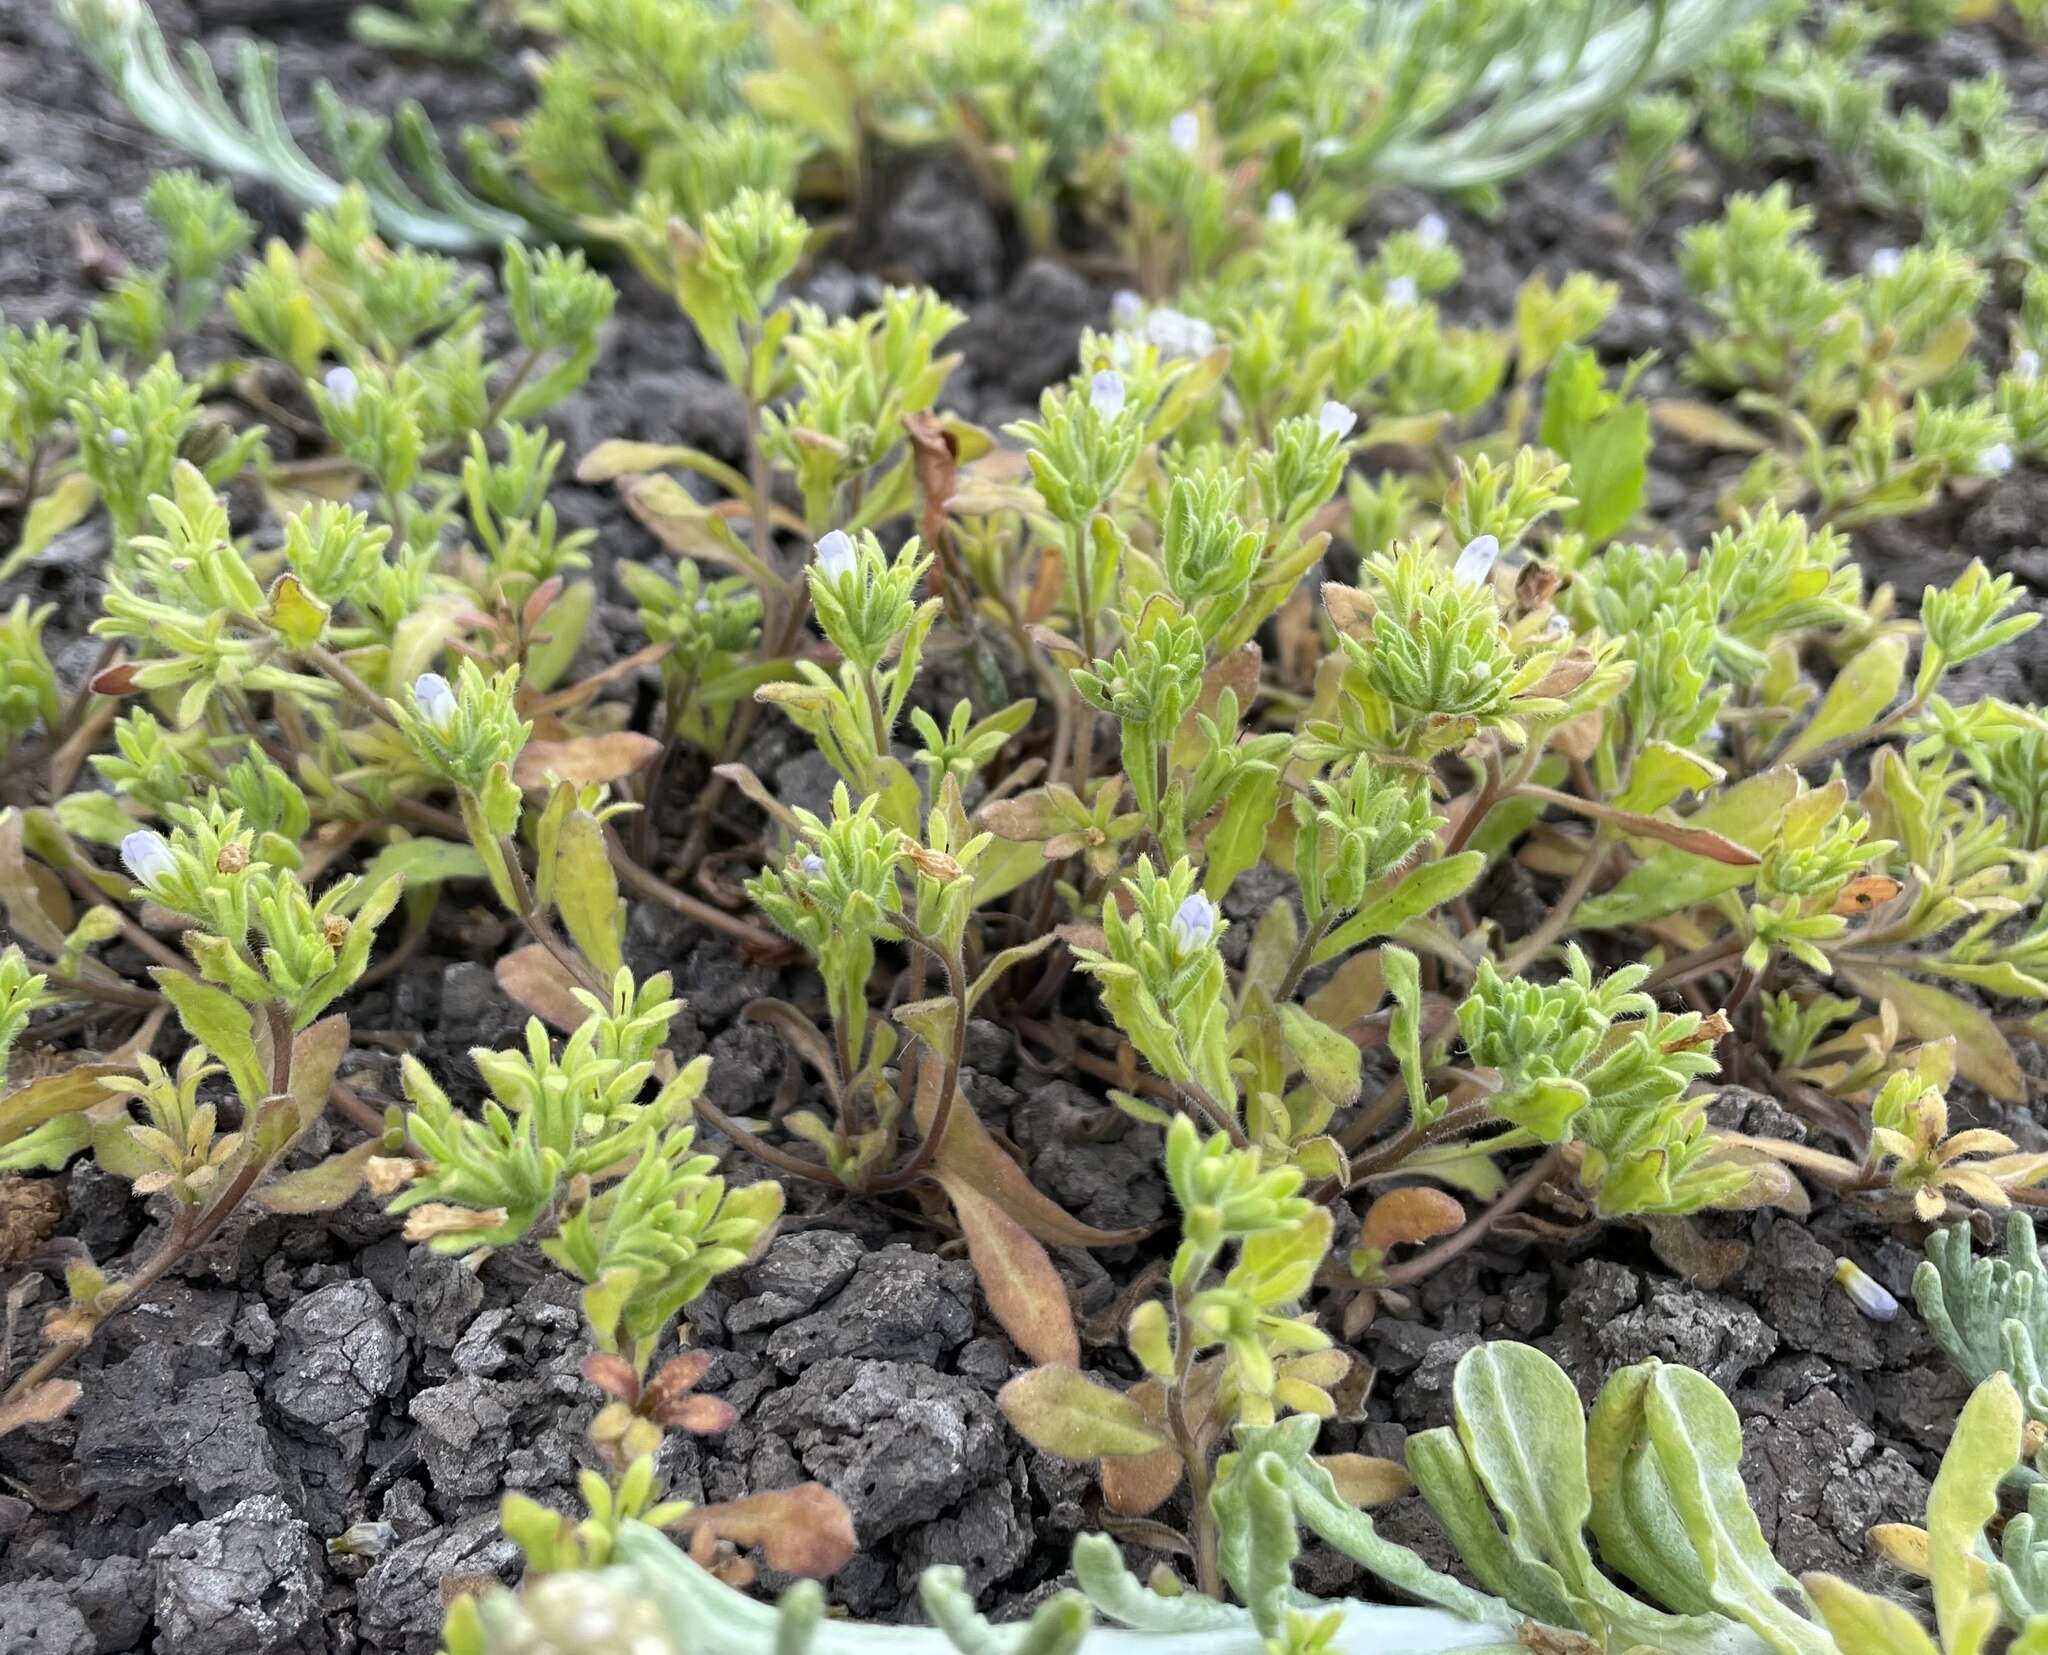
point(813, 864)
point(836, 555)
point(1178, 334)
point(1996, 460)
point(1106, 393)
point(342, 386)
point(1194, 923)
point(2026, 366)
point(1126, 308)
point(1336, 420)
point(1280, 207)
point(145, 855)
point(435, 699)
point(118, 437)
point(1885, 262)
point(1475, 562)
point(1401, 290)
point(1431, 230)
point(1866, 1294)
point(1186, 131)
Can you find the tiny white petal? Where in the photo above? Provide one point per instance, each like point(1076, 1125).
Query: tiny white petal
point(435, 699)
point(812, 864)
point(703, 606)
point(1996, 460)
point(1714, 733)
point(1401, 290)
point(1126, 307)
point(1557, 626)
point(145, 855)
point(1106, 393)
point(342, 386)
point(1885, 262)
point(1280, 206)
point(836, 555)
point(1194, 922)
point(2027, 366)
point(1178, 334)
point(1185, 131)
point(1431, 230)
point(1475, 562)
point(1336, 420)
point(118, 437)
point(1865, 1293)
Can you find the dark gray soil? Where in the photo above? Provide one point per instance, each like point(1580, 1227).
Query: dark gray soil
point(309, 1374)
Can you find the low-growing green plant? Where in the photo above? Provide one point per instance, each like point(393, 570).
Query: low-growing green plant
point(1516, 1483)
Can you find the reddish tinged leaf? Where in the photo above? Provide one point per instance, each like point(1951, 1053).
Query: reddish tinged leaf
point(116, 680)
point(613, 1375)
point(51, 1400)
point(970, 1154)
point(537, 981)
point(1404, 1216)
point(1024, 1291)
point(1064, 1412)
point(1865, 892)
point(805, 1530)
point(583, 760)
point(700, 1416)
point(1135, 1484)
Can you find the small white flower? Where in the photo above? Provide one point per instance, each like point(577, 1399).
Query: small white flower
point(1126, 307)
point(1431, 230)
point(1336, 420)
point(342, 386)
point(1280, 207)
point(813, 864)
point(118, 437)
point(1475, 562)
point(1557, 627)
point(435, 700)
point(1885, 262)
point(703, 606)
point(145, 855)
point(1106, 393)
point(1194, 923)
point(1996, 460)
point(1714, 735)
point(2027, 366)
point(1865, 1293)
point(1185, 131)
point(836, 556)
point(1401, 290)
point(1178, 334)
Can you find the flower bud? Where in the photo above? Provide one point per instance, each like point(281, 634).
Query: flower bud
point(147, 857)
point(1125, 307)
point(1106, 393)
point(233, 858)
point(1431, 230)
point(118, 437)
point(1279, 207)
point(435, 700)
point(1186, 131)
point(813, 865)
point(1194, 922)
point(342, 386)
point(1865, 1293)
point(1475, 562)
point(836, 556)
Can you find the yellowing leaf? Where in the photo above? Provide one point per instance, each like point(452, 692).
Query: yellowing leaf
point(1404, 1216)
point(587, 892)
point(1982, 1055)
point(1024, 1291)
point(1858, 697)
point(1062, 1411)
point(584, 760)
point(64, 507)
